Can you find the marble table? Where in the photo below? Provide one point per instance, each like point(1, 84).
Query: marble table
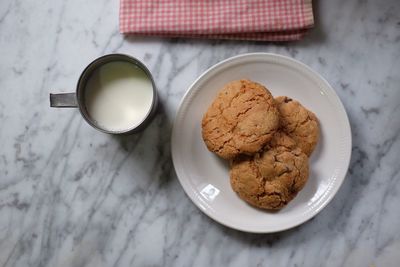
point(72, 196)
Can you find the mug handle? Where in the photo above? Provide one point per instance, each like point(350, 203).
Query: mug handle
point(64, 100)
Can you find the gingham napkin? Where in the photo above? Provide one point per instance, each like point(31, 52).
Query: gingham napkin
point(261, 20)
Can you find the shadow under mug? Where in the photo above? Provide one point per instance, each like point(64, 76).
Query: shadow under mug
point(77, 99)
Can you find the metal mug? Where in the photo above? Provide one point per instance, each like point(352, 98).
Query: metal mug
point(77, 99)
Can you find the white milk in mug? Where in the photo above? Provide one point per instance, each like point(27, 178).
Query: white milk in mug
point(118, 96)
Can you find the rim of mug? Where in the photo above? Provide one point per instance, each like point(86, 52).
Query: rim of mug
point(88, 71)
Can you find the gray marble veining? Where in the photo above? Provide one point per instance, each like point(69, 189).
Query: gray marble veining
point(72, 196)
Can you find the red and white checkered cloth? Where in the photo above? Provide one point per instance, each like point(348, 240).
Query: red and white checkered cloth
point(261, 20)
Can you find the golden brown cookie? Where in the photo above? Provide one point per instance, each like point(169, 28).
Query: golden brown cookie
point(241, 120)
point(299, 123)
point(272, 178)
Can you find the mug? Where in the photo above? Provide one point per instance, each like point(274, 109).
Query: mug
point(91, 77)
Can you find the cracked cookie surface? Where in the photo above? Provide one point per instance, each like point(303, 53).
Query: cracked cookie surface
point(241, 120)
point(272, 178)
point(299, 123)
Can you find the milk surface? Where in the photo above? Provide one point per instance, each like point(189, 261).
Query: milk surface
point(118, 95)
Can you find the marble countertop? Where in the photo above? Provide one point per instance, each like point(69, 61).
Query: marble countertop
point(72, 196)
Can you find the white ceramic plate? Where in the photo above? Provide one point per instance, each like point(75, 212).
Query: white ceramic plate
point(205, 177)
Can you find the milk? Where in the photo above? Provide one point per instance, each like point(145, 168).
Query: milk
point(118, 96)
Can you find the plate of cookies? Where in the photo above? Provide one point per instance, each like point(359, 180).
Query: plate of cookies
point(261, 143)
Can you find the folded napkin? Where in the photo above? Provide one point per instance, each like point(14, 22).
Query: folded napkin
point(261, 20)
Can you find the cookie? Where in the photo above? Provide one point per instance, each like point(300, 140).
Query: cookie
point(272, 178)
point(241, 120)
point(299, 123)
